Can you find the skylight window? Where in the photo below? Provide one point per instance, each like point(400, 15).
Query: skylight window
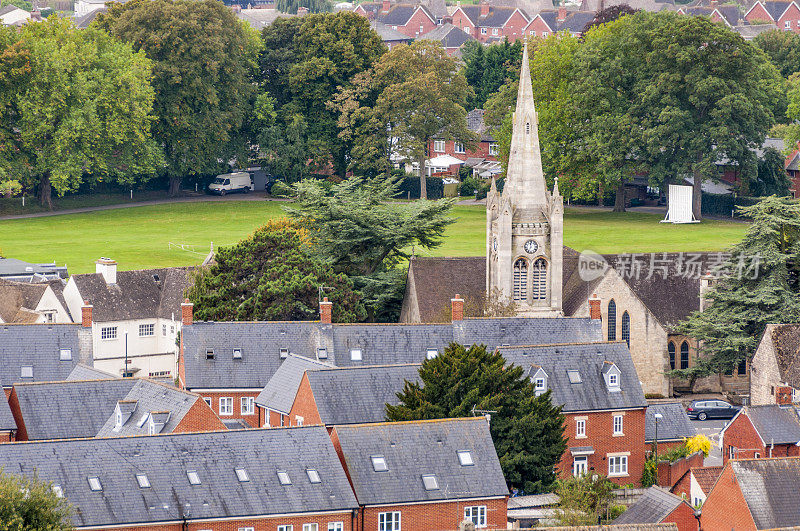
point(242, 475)
point(574, 376)
point(322, 353)
point(65, 354)
point(94, 484)
point(430, 482)
point(379, 463)
point(237, 353)
point(26, 372)
point(142, 480)
point(194, 478)
point(313, 476)
point(355, 354)
point(210, 354)
point(58, 491)
point(465, 458)
point(432, 353)
point(283, 477)
point(284, 353)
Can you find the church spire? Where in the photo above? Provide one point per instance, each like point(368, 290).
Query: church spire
point(525, 185)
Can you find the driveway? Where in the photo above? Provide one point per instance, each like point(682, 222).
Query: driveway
point(711, 429)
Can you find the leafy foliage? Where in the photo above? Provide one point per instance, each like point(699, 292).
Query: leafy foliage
point(22, 4)
point(771, 177)
point(313, 6)
point(487, 68)
point(584, 499)
point(698, 443)
point(528, 431)
point(783, 49)
point(274, 275)
point(609, 14)
point(31, 505)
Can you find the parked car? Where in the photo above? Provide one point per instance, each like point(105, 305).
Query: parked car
point(229, 183)
point(711, 409)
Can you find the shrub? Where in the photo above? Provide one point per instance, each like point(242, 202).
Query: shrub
point(614, 511)
point(653, 396)
point(281, 189)
point(10, 188)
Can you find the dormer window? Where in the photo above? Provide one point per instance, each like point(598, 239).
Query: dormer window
point(284, 353)
point(613, 380)
point(237, 353)
point(612, 375)
point(322, 353)
point(539, 380)
point(430, 482)
point(432, 353)
point(355, 354)
point(118, 420)
point(379, 463)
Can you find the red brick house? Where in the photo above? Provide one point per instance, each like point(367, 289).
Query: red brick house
point(412, 20)
point(550, 21)
point(728, 14)
point(484, 151)
point(785, 15)
point(761, 431)
point(657, 506)
point(753, 494)
point(696, 484)
point(488, 23)
point(424, 475)
point(599, 391)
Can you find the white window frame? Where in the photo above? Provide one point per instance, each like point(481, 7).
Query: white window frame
point(613, 380)
point(617, 465)
point(580, 428)
point(483, 31)
point(493, 150)
point(389, 521)
point(208, 401)
point(532, 33)
point(247, 529)
point(108, 333)
point(335, 526)
point(226, 406)
point(476, 514)
point(619, 425)
point(580, 465)
point(285, 528)
point(544, 34)
point(494, 31)
point(458, 147)
point(465, 458)
point(311, 527)
point(787, 24)
point(356, 354)
point(247, 405)
point(147, 330)
point(164, 330)
point(439, 146)
point(431, 353)
point(539, 385)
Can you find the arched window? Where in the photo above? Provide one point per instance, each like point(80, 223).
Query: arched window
point(527, 128)
point(671, 351)
point(520, 279)
point(612, 320)
point(539, 280)
point(626, 328)
point(684, 355)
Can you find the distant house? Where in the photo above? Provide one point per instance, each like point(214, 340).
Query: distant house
point(484, 150)
point(390, 37)
point(550, 21)
point(696, 483)
point(761, 431)
point(11, 15)
point(106, 408)
point(450, 37)
point(135, 316)
point(424, 476)
point(727, 14)
point(491, 23)
point(17, 270)
point(775, 367)
point(674, 426)
point(658, 506)
point(84, 21)
point(24, 302)
point(412, 20)
point(599, 391)
point(785, 15)
point(84, 7)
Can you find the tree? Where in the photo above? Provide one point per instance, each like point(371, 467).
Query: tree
point(584, 500)
point(362, 233)
point(528, 431)
point(31, 505)
point(313, 6)
point(273, 275)
point(607, 15)
point(760, 286)
point(76, 108)
point(771, 177)
point(487, 70)
point(423, 96)
point(203, 58)
point(783, 49)
point(22, 4)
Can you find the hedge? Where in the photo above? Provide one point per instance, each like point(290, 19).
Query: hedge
point(723, 204)
point(409, 188)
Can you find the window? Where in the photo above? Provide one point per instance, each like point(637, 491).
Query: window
point(613, 380)
point(685, 355)
point(247, 405)
point(143, 482)
point(283, 477)
point(618, 465)
point(284, 355)
point(465, 458)
point(146, 330)
point(432, 353)
point(438, 146)
point(580, 465)
point(617, 424)
point(580, 428)
point(207, 401)
point(612, 320)
point(194, 478)
point(242, 475)
point(539, 280)
point(285, 528)
point(172, 330)
point(237, 353)
point(336, 526)
point(210, 354)
point(527, 128)
point(430, 482)
point(355, 354)
point(532, 33)
point(731, 452)
point(742, 369)
point(787, 24)
point(574, 376)
point(626, 328)
point(476, 515)
point(757, 455)
point(298, 420)
point(458, 147)
point(313, 476)
point(58, 491)
point(520, 288)
point(389, 521)
point(247, 529)
point(94, 483)
point(108, 332)
point(483, 31)
point(544, 34)
point(310, 527)
point(467, 30)
point(26, 372)
point(65, 354)
point(494, 31)
point(379, 463)
point(493, 149)
point(322, 353)
point(226, 405)
point(50, 317)
point(164, 330)
point(539, 384)
point(421, 30)
point(671, 352)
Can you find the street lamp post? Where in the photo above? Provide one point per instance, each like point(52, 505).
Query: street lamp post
point(657, 416)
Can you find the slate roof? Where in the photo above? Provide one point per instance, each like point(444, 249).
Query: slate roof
point(588, 359)
point(14, 268)
point(706, 476)
point(674, 426)
point(786, 344)
point(771, 489)
point(476, 123)
point(73, 409)
point(387, 33)
point(136, 294)
point(399, 14)
point(432, 282)
point(84, 21)
point(551, 18)
point(84, 372)
point(38, 346)
point(165, 460)
point(775, 9)
point(281, 390)
point(774, 423)
point(653, 506)
point(496, 18)
point(751, 31)
point(576, 21)
point(357, 395)
point(7, 421)
point(449, 35)
point(412, 449)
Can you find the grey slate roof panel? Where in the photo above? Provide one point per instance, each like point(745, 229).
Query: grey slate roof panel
point(412, 449)
point(588, 359)
point(388, 344)
point(576, 21)
point(387, 33)
point(356, 395)
point(654, 505)
point(38, 346)
point(84, 372)
point(165, 459)
point(7, 421)
point(280, 391)
point(776, 9)
point(12, 267)
point(675, 424)
point(771, 489)
point(775, 424)
point(526, 331)
point(398, 15)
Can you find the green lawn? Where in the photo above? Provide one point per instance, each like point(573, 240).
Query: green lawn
point(140, 237)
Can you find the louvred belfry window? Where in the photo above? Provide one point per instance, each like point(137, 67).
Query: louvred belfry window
point(539, 280)
point(520, 280)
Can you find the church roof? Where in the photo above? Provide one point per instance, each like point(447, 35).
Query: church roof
point(432, 282)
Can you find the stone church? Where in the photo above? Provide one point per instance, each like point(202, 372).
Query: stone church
point(529, 272)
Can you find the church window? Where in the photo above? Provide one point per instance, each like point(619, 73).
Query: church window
point(626, 328)
point(612, 320)
point(539, 284)
point(684, 355)
point(671, 351)
point(520, 279)
point(527, 128)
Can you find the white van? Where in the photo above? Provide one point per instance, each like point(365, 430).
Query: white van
point(229, 183)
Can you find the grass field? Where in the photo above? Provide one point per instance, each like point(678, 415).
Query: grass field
point(140, 237)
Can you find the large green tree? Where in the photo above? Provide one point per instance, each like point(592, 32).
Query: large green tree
point(488, 68)
point(528, 431)
point(313, 6)
point(203, 60)
point(758, 285)
point(75, 107)
point(783, 49)
point(273, 275)
point(31, 505)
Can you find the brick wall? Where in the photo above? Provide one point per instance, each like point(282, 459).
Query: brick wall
point(725, 507)
point(537, 28)
point(412, 27)
point(252, 420)
point(683, 516)
point(304, 405)
point(13, 403)
point(437, 516)
point(599, 435)
point(461, 21)
point(757, 13)
point(515, 27)
point(258, 524)
point(741, 435)
point(670, 473)
point(5, 436)
point(683, 487)
point(200, 417)
point(790, 17)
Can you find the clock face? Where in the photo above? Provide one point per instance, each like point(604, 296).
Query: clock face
point(531, 246)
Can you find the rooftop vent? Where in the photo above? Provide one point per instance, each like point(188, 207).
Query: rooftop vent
point(322, 353)
point(284, 353)
point(155, 278)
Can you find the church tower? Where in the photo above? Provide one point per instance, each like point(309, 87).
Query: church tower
point(524, 224)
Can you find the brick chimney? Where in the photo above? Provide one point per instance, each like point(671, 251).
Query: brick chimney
point(457, 308)
point(783, 396)
point(86, 315)
point(187, 313)
point(325, 311)
point(594, 307)
point(385, 5)
point(108, 268)
point(484, 9)
point(562, 13)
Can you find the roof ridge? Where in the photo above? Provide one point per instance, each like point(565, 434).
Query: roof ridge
point(361, 367)
point(508, 347)
point(405, 422)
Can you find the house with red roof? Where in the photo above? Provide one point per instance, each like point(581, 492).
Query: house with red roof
point(489, 23)
point(412, 20)
point(785, 15)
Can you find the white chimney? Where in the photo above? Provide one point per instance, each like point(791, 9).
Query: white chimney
point(108, 268)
